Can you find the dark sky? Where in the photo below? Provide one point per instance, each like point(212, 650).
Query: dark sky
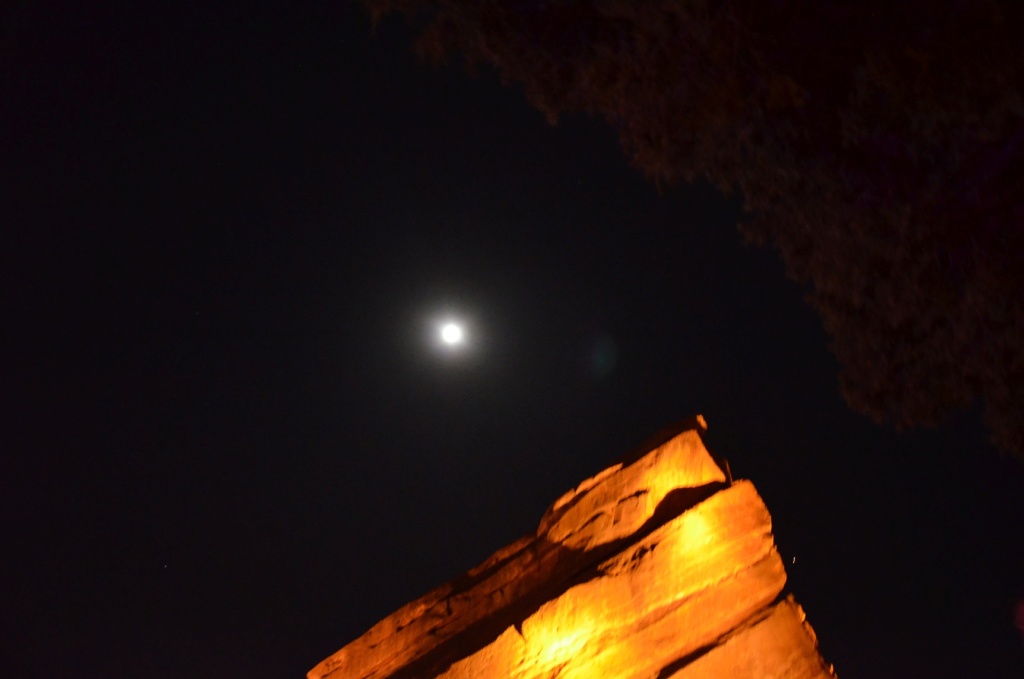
point(230, 444)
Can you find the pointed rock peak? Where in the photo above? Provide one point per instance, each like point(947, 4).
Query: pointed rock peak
point(658, 566)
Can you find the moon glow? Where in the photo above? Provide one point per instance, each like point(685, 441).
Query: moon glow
point(452, 334)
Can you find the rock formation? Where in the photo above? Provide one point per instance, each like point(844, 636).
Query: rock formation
point(659, 566)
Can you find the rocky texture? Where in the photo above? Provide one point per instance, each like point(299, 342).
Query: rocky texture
point(778, 644)
point(657, 567)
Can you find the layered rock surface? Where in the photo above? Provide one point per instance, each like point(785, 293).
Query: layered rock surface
point(659, 566)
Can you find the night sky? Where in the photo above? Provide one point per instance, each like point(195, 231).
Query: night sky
point(231, 441)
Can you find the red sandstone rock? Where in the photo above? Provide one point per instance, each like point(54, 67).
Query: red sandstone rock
point(655, 565)
point(780, 644)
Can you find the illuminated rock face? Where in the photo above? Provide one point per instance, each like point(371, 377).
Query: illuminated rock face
point(657, 567)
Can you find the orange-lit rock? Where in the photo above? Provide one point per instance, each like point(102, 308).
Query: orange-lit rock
point(656, 567)
point(778, 644)
point(711, 567)
point(617, 502)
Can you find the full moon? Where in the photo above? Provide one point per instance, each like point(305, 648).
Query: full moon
point(451, 333)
